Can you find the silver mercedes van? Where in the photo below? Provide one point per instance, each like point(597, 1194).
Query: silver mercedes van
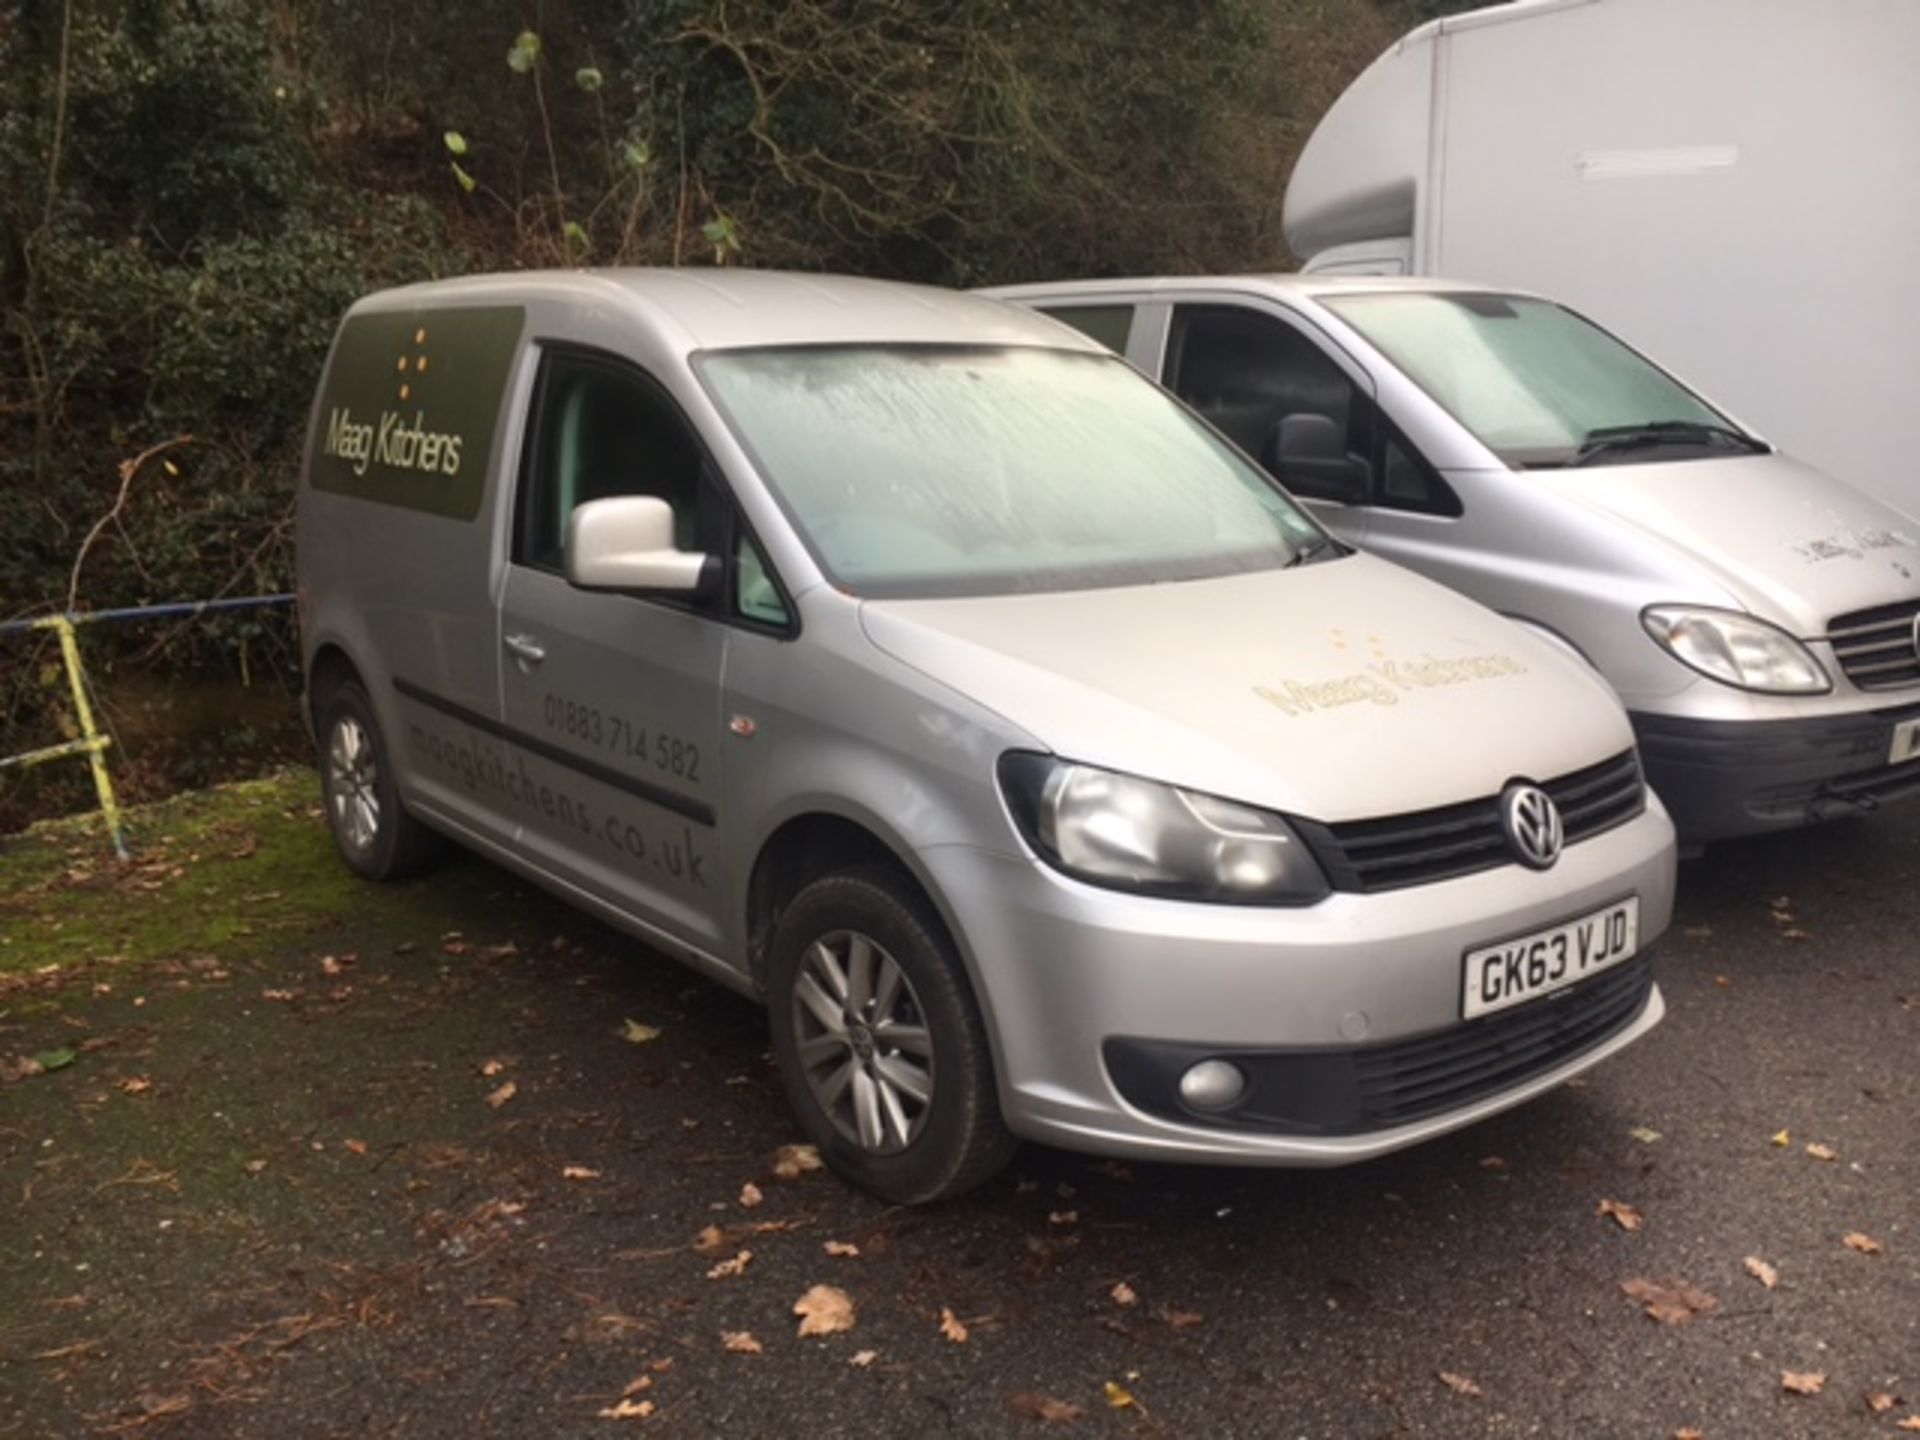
point(1760, 619)
point(908, 662)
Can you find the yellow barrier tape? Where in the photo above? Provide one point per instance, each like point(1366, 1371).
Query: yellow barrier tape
point(92, 743)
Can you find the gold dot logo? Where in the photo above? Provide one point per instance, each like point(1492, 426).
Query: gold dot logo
point(416, 363)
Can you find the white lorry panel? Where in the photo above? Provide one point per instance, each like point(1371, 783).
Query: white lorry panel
point(1731, 185)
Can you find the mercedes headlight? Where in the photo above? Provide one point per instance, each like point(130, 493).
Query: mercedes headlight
point(1127, 833)
point(1736, 650)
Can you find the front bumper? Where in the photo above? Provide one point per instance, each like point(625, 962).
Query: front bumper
point(1066, 972)
point(1722, 778)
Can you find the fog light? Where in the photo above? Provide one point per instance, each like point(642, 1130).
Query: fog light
point(1212, 1085)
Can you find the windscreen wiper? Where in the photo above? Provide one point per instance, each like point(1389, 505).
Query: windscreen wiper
point(1321, 546)
point(1612, 439)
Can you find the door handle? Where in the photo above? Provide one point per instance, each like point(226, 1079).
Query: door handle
point(525, 648)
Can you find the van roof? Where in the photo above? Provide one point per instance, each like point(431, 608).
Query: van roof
point(714, 309)
point(1285, 285)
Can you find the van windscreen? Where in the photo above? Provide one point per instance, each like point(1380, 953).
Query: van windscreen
point(1537, 384)
point(973, 470)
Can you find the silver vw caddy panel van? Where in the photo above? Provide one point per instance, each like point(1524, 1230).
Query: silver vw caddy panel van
point(906, 660)
point(1760, 620)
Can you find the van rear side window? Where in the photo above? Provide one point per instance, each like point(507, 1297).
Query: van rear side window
point(407, 412)
point(1108, 324)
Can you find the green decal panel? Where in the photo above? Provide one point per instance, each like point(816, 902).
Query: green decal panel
point(410, 405)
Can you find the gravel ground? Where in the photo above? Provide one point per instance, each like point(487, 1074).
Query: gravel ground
point(271, 1196)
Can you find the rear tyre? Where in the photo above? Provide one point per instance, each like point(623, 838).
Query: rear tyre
point(373, 831)
point(881, 1048)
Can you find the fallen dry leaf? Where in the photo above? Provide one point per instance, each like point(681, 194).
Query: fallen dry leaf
point(1644, 1135)
point(841, 1249)
point(492, 1068)
point(634, 1387)
point(750, 1195)
point(741, 1342)
point(634, 1033)
point(1803, 1382)
point(727, 1269)
point(628, 1410)
point(1493, 1162)
point(501, 1096)
point(1623, 1214)
point(1672, 1303)
point(1822, 1152)
point(1044, 1408)
point(1181, 1319)
point(1912, 1422)
point(1063, 1217)
point(1122, 1294)
point(136, 1085)
point(1879, 1402)
point(824, 1310)
point(578, 1172)
point(358, 1147)
point(1761, 1271)
point(1689, 1432)
point(790, 1162)
point(1117, 1395)
point(1780, 1140)
point(861, 1359)
point(1865, 1244)
point(952, 1327)
point(1460, 1384)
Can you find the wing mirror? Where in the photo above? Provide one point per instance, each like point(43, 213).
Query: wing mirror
point(626, 543)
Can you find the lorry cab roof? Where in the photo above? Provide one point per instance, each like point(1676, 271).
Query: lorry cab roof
point(718, 309)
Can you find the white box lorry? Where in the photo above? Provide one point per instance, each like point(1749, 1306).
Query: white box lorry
point(1733, 185)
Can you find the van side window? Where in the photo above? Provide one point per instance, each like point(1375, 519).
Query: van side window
point(1408, 482)
point(1271, 390)
point(1108, 324)
point(602, 428)
point(755, 596)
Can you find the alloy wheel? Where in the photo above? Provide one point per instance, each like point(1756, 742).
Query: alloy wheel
point(864, 1045)
point(353, 793)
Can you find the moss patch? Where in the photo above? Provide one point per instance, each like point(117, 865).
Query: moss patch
point(214, 872)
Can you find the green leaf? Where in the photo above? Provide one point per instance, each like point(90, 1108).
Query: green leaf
point(720, 231)
point(589, 78)
point(55, 1059)
point(467, 182)
point(637, 153)
point(456, 142)
point(525, 51)
point(576, 237)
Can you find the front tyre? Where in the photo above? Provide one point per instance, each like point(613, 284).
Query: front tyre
point(880, 1046)
point(374, 833)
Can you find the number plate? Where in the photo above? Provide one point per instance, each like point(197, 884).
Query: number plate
point(1905, 745)
point(1529, 966)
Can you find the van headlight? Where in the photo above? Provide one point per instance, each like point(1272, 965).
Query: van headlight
point(1132, 834)
point(1736, 650)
